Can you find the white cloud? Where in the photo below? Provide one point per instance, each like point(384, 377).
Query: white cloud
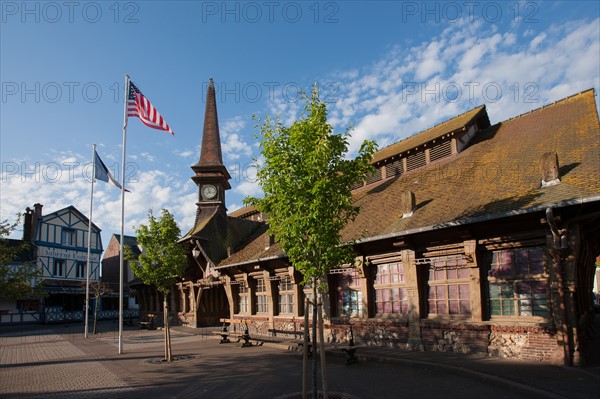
point(185, 153)
point(403, 92)
point(537, 40)
point(232, 144)
point(431, 61)
point(62, 182)
point(411, 89)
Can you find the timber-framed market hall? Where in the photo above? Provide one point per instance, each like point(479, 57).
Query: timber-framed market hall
point(472, 238)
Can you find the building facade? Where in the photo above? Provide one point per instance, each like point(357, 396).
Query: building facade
point(59, 246)
point(110, 274)
point(472, 238)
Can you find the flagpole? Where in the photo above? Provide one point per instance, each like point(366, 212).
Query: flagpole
point(126, 96)
point(89, 246)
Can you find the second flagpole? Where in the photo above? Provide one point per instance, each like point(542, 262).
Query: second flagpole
point(89, 245)
point(125, 98)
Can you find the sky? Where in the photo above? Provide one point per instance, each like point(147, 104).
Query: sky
point(388, 69)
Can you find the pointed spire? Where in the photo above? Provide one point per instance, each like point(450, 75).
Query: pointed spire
point(210, 153)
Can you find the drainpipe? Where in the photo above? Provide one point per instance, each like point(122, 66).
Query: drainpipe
point(559, 246)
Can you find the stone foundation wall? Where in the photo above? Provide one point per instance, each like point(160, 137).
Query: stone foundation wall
point(526, 343)
point(460, 338)
point(370, 333)
point(515, 342)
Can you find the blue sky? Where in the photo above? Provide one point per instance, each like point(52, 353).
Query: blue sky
point(389, 69)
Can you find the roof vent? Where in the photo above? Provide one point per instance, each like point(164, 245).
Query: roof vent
point(407, 203)
point(549, 168)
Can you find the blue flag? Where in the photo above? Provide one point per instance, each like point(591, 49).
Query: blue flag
point(102, 172)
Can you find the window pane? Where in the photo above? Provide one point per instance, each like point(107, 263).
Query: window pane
point(453, 307)
point(494, 290)
point(387, 307)
point(453, 291)
point(442, 308)
point(465, 307)
point(440, 292)
point(463, 273)
point(440, 275)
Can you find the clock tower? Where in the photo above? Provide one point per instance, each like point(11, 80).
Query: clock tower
point(211, 176)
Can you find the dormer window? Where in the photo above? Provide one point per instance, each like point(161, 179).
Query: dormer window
point(394, 169)
point(415, 160)
point(431, 145)
point(441, 150)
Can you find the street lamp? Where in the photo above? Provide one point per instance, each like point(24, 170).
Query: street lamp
point(195, 252)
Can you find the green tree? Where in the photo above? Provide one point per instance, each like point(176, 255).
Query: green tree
point(163, 259)
point(97, 290)
point(18, 279)
point(307, 181)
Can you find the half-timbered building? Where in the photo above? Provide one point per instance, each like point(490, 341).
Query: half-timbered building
point(472, 237)
point(60, 241)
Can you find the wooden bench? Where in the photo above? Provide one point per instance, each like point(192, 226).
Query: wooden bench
point(243, 336)
point(226, 332)
point(350, 352)
point(224, 336)
point(149, 325)
point(301, 348)
point(350, 349)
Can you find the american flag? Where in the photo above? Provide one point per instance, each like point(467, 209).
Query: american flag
point(139, 106)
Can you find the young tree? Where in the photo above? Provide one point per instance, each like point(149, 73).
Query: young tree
point(307, 182)
point(97, 290)
point(163, 259)
point(18, 280)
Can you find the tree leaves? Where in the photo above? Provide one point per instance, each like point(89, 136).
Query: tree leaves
point(163, 258)
point(307, 182)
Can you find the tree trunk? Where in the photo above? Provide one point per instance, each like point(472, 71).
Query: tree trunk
point(305, 353)
point(166, 328)
point(95, 314)
point(324, 381)
point(314, 341)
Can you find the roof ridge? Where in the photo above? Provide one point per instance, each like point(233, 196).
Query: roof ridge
point(549, 104)
point(432, 127)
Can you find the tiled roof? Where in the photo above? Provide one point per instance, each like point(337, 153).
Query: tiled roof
point(497, 174)
point(247, 210)
point(452, 125)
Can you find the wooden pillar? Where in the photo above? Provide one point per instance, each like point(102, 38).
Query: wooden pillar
point(363, 272)
point(474, 280)
point(273, 298)
point(182, 301)
point(414, 303)
point(251, 283)
point(229, 294)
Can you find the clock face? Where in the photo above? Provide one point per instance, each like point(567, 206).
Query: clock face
point(209, 191)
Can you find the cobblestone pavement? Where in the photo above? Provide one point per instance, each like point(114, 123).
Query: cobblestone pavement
point(57, 362)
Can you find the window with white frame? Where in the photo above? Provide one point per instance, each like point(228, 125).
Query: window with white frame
point(348, 293)
point(243, 299)
point(390, 290)
point(58, 268)
point(262, 299)
point(69, 237)
point(517, 282)
point(286, 296)
point(80, 268)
